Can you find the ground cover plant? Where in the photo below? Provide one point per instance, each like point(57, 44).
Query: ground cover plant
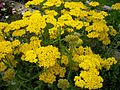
point(61, 45)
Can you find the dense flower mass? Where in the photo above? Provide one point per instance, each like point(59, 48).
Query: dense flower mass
point(57, 42)
point(47, 56)
point(91, 64)
point(84, 17)
point(34, 2)
point(89, 79)
point(49, 75)
point(5, 48)
point(94, 4)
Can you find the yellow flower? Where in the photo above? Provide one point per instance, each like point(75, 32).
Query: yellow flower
point(57, 70)
point(94, 4)
point(74, 5)
point(108, 62)
point(50, 19)
point(34, 44)
point(112, 31)
point(19, 32)
point(69, 30)
point(64, 60)
point(34, 38)
point(16, 25)
point(106, 41)
point(93, 35)
point(99, 30)
point(30, 56)
point(2, 66)
point(89, 79)
point(24, 47)
point(1, 38)
point(5, 48)
point(34, 26)
point(49, 74)
point(15, 43)
point(2, 26)
point(79, 82)
point(90, 61)
point(47, 77)
point(116, 6)
point(80, 25)
point(33, 2)
point(51, 12)
point(47, 56)
point(53, 32)
point(27, 14)
point(50, 3)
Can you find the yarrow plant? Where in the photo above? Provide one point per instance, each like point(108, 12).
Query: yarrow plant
point(53, 38)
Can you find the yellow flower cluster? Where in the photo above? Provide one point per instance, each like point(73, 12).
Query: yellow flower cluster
point(33, 45)
point(77, 9)
point(19, 32)
point(8, 60)
point(34, 26)
point(99, 30)
point(16, 25)
point(91, 64)
point(47, 56)
point(6, 51)
point(28, 23)
point(108, 62)
point(30, 56)
point(49, 75)
point(2, 26)
point(80, 52)
point(94, 4)
point(2, 66)
point(15, 43)
point(116, 6)
point(5, 48)
point(51, 12)
point(89, 79)
point(75, 5)
point(33, 2)
point(93, 20)
point(33, 52)
point(50, 3)
point(90, 61)
point(25, 37)
point(66, 19)
point(1, 38)
point(96, 16)
point(64, 60)
point(53, 32)
point(112, 31)
point(28, 50)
